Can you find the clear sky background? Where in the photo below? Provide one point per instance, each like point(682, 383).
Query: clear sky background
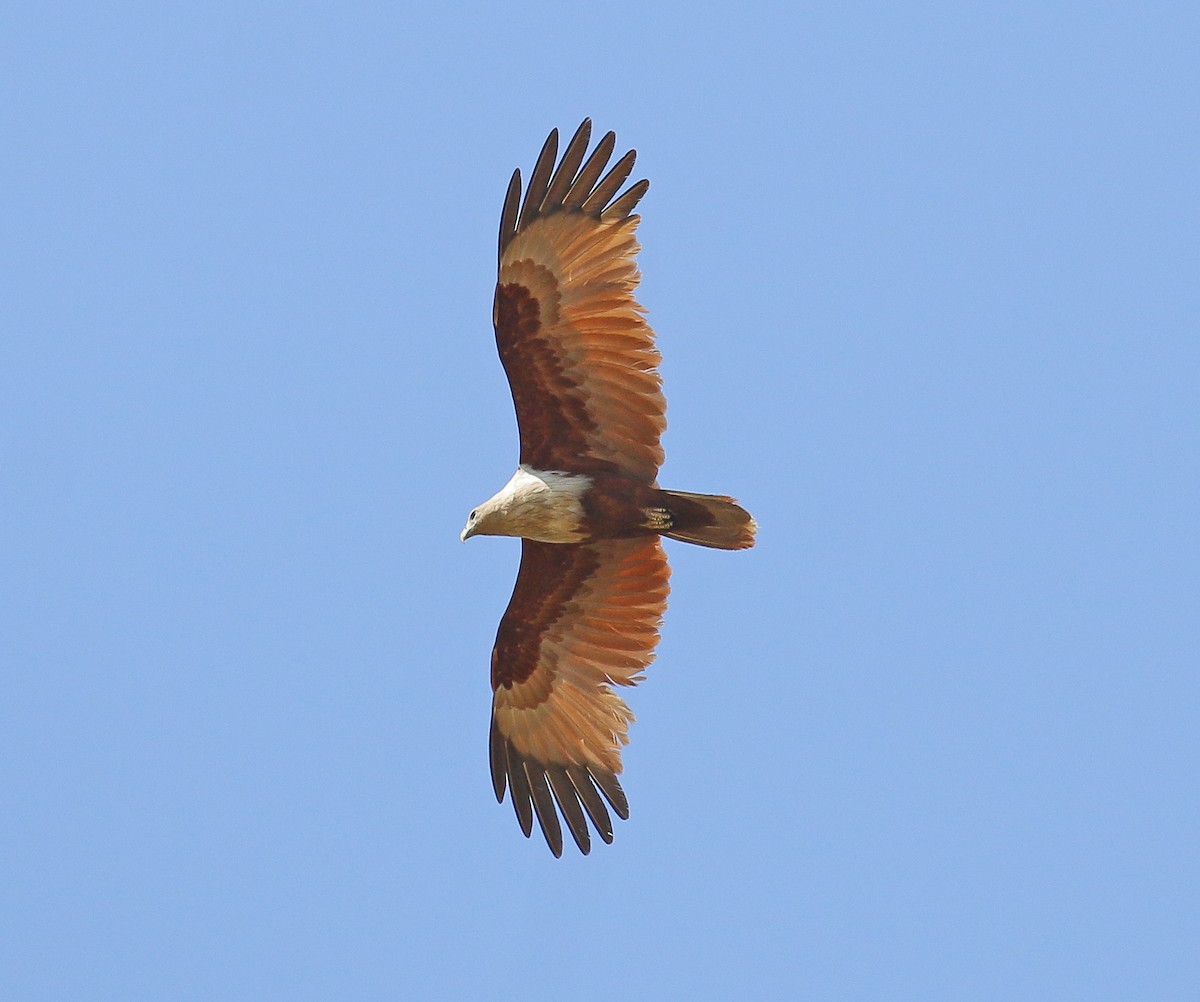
point(925, 277)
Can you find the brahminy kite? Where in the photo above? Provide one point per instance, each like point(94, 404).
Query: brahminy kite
point(592, 587)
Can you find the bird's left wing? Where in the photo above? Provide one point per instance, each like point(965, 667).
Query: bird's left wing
point(579, 355)
point(583, 617)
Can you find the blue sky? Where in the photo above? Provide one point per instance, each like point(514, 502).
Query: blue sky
point(925, 280)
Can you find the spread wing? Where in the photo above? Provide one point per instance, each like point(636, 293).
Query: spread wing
point(578, 352)
point(583, 617)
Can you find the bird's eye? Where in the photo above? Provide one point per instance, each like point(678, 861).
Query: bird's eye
point(474, 515)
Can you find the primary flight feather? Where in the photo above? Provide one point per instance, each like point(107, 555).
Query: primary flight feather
point(592, 586)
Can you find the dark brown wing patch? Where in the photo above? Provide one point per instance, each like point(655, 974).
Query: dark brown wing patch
point(550, 577)
point(554, 420)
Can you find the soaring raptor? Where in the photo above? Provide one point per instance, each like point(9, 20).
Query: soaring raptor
point(592, 588)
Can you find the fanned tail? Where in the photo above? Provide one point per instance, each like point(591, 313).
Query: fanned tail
point(709, 520)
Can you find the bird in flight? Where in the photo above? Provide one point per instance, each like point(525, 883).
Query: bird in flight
point(585, 501)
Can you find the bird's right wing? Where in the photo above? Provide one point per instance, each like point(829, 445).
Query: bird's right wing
point(583, 617)
point(579, 355)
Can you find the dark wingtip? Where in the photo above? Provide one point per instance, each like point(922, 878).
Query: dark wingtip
point(610, 786)
point(544, 792)
point(539, 180)
point(624, 206)
point(570, 187)
point(512, 205)
point(498, 761)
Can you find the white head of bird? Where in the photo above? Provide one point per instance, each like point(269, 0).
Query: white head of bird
point(534, 504)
